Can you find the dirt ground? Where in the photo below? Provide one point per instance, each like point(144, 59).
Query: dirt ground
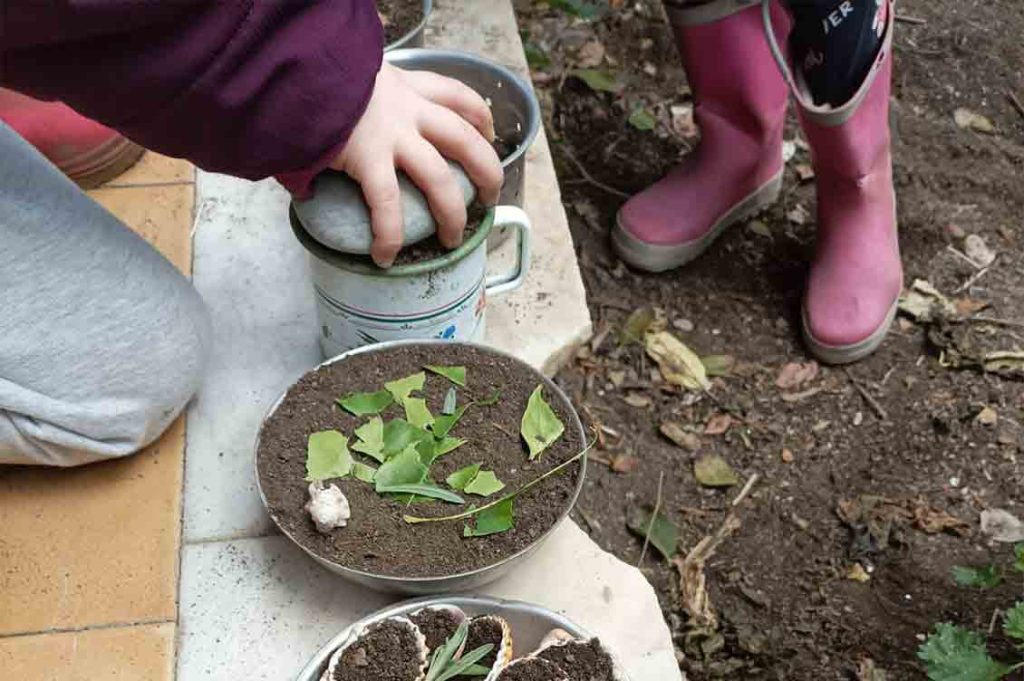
point(870, 482)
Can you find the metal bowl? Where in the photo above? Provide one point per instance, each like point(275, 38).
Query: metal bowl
point(415, 37)
point(440, 584)
point(529, 623)
point(513, 104)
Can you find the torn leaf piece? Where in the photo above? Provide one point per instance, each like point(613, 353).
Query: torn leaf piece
point(327, 456)
point(328, 507)
point(540, 426)
point(402, 469)
point(422, 490)
point(417, 413)
point(371, 439)
point(431, 450)
point(462, 477)
point(450, 401)
point(444, 423)
point(494, 520)
point(456, 375)
point(484, 484)
point(363, 472)
point(399, 434)
point(713, 471)
point(403, 387)
point(924, 303)
point(678, 364)
point(364, 404)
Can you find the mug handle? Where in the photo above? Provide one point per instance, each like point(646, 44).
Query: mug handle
point(512, 216)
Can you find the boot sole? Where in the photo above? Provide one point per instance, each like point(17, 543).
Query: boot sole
point(659, 258)
point(104, 163)
point(848, 354)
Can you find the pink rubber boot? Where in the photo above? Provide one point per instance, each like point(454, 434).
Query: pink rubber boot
point(856, 276)
point(84, 150)
point(736, 169)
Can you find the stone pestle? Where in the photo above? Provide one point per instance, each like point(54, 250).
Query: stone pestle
point(337, 216)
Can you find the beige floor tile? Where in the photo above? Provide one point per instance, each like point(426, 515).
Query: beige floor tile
point(154, 168)
point(94, 545)
point(162, 215)
point(142, 653)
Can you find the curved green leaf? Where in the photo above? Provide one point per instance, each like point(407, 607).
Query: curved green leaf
point(540, 426)
point(456, 375)
point(364, 404)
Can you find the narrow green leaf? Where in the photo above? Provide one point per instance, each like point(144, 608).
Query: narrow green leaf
point(981, 578)
point(371, 438)
point(363, 472)
point(494, 520)
point(490, 400)
point(444, 423)
point(462, 477)
point(450, 401)
point(444, 654)
point(402, 469)
point(417, 413)
point(476, 670)
point(364, 404)
point(1018, 555)
point(403, 387)
point(484, 484)
point(399, 434)
point(456, 375)
point(540, 427)
point(599, 81)
point(642, 120)
point(664, 534)
point(449, 444)
point(467, 661)
point(536, 57)
point(1013, 621)
point(327, 456)
point(952, 653)
point(419, 489)
point(636, 325)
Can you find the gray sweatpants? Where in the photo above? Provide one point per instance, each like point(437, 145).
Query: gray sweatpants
point(102, 340)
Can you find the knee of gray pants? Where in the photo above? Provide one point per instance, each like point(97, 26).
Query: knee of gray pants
point(102, 340)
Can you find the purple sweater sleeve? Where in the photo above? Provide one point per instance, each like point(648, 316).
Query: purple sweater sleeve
point(252, 88)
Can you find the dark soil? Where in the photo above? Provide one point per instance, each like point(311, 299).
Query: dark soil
point(780, 586)
point(431, 248)
point(388, 651)
point(484, 630)
point(504, 148)
point(399, 17)
point(532, 670)
point(376, 538)
point(437, 625)
point(582, 660)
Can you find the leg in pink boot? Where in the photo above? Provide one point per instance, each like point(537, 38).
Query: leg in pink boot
point(737, 168)
point(856, 275)
point(85, 151)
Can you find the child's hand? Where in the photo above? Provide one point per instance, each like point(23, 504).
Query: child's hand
point(414, 118)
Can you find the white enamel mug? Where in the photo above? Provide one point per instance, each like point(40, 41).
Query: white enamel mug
point(359, 304)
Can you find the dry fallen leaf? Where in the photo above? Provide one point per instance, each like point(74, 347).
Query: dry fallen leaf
point(637, 400)
point(675, 432)
point(969, 306)
point(969, 120)
point(591, 54)
point(987, 417)
point(867, 670)
point(977, 250)
point(799, 215)
point(1002, 526)
point(713, 471)
point(795, 374)
point(718, 424)
point(934, 521)
point(923, 302)
point(682, 120)
point(804, 172)
point(857, 573)
point(678, 364)
point(759, 228)
point(718, 365)
point(787, 455)
point(624, 463)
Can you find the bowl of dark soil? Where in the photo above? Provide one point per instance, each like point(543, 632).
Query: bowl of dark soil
point(404, 22)
point(420, 467)
point(436, 639)
point(513, 104)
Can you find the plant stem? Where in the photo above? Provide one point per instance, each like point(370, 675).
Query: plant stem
point(650, 525)
point(412, 520)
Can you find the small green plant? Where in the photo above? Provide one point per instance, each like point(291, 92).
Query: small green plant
point(954, 653)
point(443, 667)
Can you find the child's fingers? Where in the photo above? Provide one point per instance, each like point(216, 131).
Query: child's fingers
point(458, 140)
point(380, 188)
point(426, 167)
point(454, 95)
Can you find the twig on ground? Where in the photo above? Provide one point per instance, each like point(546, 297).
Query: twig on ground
point(963, 256)
point(888, 375)
point(1016, 103)
point(590, 521)
point(587, 177)
point(1009, 323)
point(746, 489)
point(875, 405)
point(916, 21)
point(974, 279)
point(654, 516)
point(504, 430)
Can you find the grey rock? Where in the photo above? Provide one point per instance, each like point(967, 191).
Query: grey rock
point(337, 216)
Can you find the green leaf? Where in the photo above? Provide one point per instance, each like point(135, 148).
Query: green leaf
point(449, 444)
point(462, 477)
point(1013, 621)
point(636, 325)
point(581, 9)
point(401, 469)
point(981, 578)
point(536, 57)
point(476, 670)
point(444, 423)
point(540, 426)
point(484, 484)
point(450, 402)
point(490, 400)
point(371, 438)
point(364, 404)
point(1018, 555)
point(718, 365)
point(417, 413)
point(664, 534)
point(423, 490)
point(599, 81)
point(713, 471)
point(443, 655)
point(403, 387)
point(952, 653)
point(363, 472)
point(456, 375)
point(494, 520)
point(327, 456)
point(399, 434)
point(641, 119)
point(466, 662)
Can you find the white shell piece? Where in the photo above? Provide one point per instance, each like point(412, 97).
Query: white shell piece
point(328, 675)
point(504, 650)
point(328, 507)
point(560, 637)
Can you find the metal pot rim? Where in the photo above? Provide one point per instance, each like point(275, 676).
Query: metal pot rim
point(428, 7)
point(533, 117)
point(391, 579)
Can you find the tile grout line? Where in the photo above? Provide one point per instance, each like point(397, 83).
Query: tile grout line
point(91, 627)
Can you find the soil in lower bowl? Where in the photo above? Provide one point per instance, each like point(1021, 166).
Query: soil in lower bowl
point(400, 17)
point(377, 539)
